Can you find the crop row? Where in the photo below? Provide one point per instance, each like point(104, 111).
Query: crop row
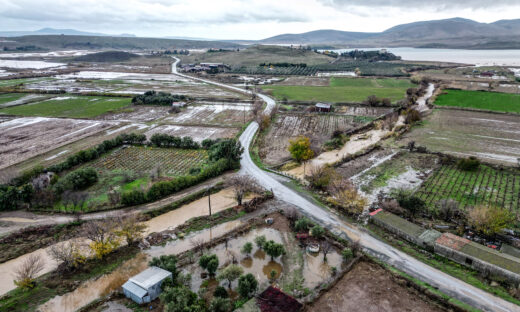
point(364, 68)
point(171, 162)
point(486, 186)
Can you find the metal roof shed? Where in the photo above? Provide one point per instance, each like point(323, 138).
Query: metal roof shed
point(146, 286)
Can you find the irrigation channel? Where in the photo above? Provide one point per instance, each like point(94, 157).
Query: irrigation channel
point(448, 284)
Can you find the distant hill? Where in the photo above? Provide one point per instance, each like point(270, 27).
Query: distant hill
point(449, 33)
point(107, 56)
point(318, 37)
point(54, 31)
point(57, 42)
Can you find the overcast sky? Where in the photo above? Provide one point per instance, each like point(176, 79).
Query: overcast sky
point(240, 19)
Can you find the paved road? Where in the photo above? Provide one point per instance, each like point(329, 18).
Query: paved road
point(447, 284)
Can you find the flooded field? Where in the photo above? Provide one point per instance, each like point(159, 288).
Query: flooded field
point(22, 138)
point(139, 113)
point(490, 137)
point(28, 64)
point(197, 133)
point(318, 128)
point(398, 170)
point(218, 114)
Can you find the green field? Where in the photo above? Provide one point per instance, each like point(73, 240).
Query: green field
point(500, 102)
point(487, 186)
point(345, 90)
point(9, 97)
point(73, 107)
point(14, 82)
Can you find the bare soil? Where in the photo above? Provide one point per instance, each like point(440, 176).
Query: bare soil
point(305, 81)
point(197, 133)
point(138, 113)
point(22, 138)
point(488, 136)
point(369, 288)
point(319, 128)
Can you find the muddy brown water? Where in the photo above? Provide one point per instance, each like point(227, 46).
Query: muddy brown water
point(220, 201)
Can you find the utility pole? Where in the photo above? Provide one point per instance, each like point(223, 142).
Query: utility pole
point(209, 200)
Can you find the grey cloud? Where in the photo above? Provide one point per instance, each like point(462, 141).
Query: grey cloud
point(438, 5)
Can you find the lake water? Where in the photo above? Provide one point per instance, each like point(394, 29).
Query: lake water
point(477, 57)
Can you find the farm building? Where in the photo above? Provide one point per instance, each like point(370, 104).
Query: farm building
point(323, 107)
point(275, 300)
point(146, 286)
point(458, 249)
point(179, 104)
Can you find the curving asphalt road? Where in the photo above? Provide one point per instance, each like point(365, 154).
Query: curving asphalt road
point(449, 285)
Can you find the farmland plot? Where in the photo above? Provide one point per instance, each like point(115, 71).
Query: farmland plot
point(490, 137)
point(223, 114)
point(138, 113)
point(486, 186)
point(318, 127)
point(197, 133)
point(22, 138)
point(141, 160)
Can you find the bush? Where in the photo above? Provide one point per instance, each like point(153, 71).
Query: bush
point(468, 164)
point(168, 263)
point(209, 263)
point(229, 149)
point(131, 198)
point(317, 231)
point(157, 98)
point(303, 225)
point(408, 201)
point(11, 196)
point(490, 220)
point(347, 254)
point(273, 249)
point(247, 285)
point(412, 116)
point(260, 241)
point(220, 292)
point(77, 180)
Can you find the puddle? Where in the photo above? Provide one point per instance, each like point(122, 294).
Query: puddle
point(94, 289)
point(316, 271)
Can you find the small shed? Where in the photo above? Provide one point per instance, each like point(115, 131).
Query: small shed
point(146, 286)
point(179, 104)
point(323, 107)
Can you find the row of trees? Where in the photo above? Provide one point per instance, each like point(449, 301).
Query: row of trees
point(157, 98)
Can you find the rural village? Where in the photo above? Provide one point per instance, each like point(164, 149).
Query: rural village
point(210, 176)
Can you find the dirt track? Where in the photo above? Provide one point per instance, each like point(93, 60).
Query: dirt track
point(369, 288)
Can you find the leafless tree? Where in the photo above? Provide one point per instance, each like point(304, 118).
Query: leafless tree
point(75, 199)
point(28, 270)
point(241, 186)
point(130, 228)
point(198, 244)
point(356, 247)
point(291, 213)
point(67, 254)
point(99, 231)
point(326, 247)
point(156, 173)
point(114, 197)
point(257, 108)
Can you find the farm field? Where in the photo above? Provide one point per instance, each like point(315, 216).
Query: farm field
point(129, 83)
point(368, 287)
point(197, 133)
point(344, 90)
point(9, 97)
point(217, 114)
point(318, 127)
point(69, 106)
point(173, 162)
point(395, 171)
point(500, 102)
point(490, 137)
point(23, 138)
point(486, 186)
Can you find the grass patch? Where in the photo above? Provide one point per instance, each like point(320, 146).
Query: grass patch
point(15, 82)
point(73, 107)
point(493, 101)
point(9, 97)
point(344, 90)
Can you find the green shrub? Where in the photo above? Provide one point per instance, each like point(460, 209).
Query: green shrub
point(131, 198)
point(77, 180)
point(157, 98)
point(303, 225)
point(11, 196)
point(247, 285)
point(468, 164)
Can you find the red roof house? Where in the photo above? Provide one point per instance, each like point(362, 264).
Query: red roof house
point(275, 300)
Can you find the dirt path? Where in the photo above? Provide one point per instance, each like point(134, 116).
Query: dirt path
point(12, 221)
point(369, 288)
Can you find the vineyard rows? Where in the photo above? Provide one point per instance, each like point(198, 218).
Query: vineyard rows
point(141, 160)
point(365, 68)
point(486, 186)
point(294, 125)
